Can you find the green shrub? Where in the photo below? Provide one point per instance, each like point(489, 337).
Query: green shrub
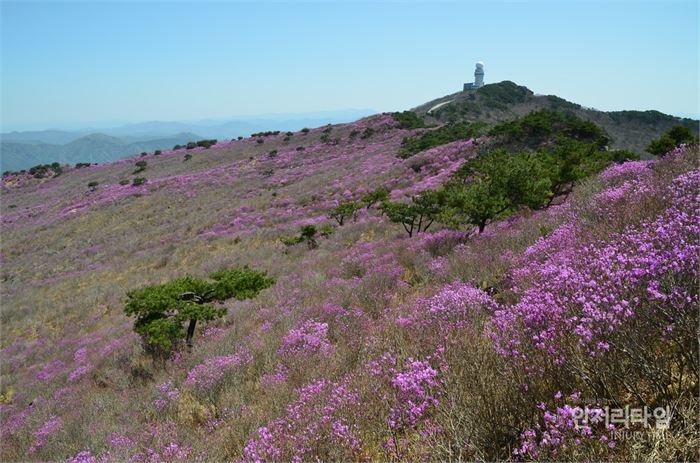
point(325, 230)
point(557, 103)
point(138, 181)
point(408, 120)
point(367, 133)
point(265, 134)
point(440, 136)
point(93, 185)
point(157, 152)
point(674, 137)
point(545, 127)
point(292, 240)
point(503, 94)
point(499, 182)
point(124, 182)
point(206, 144)
point(187, 157)
point(307, 233)
point(45, 170)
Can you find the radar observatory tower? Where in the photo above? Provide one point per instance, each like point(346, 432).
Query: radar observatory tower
point(478, 77)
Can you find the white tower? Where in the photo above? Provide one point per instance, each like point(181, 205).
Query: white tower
point(479, 75)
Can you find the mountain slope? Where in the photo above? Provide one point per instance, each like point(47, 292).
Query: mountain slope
point(371, 345)
point(631, 130)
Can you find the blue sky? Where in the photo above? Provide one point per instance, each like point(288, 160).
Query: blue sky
point(69, 64)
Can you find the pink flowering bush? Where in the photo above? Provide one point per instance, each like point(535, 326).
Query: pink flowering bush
point(442, 242)
point(278, 376)
point(320, 423)
point(579, 431)
point(170, 452)
point(84, 456)
point(207, 374)
point(45, 432)
point(410, 392)
point(627, 171)
point(438, 266)
point(167, 393)
point(311, 337)
point(647, 293)
point(79, 372)
point(455, 305)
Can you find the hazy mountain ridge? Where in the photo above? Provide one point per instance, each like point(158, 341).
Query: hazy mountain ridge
point(93, 148)
point(20, 150)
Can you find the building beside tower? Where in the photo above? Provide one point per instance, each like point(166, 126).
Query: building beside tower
point(478, 77)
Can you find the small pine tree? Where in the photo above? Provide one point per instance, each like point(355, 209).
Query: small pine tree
point(376, 196)
point(161, 310)
point(140, 167)
point(343, 211)
point(418, 215)
point(308, 234)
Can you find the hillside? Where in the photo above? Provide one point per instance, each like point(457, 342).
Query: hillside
point(503, 101)
point(371, 344)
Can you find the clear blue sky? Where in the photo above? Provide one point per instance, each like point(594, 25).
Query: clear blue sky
point(84, 63)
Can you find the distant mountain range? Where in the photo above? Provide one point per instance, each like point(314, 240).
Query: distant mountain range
point(21, 150)
point(96, 147)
